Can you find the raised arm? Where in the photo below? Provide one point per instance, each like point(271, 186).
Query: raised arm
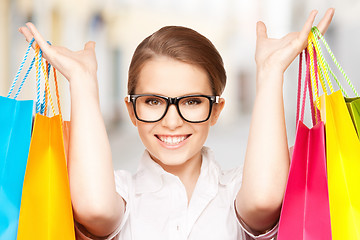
point(267, 161)
point(96, 204)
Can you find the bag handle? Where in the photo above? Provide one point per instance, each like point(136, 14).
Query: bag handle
point(38, 82)
point(301, 107)
point(299, 91)
point(46, 72)
point(19, 71)
point(307, 87)
point(314, 115)
point(314, 74)
point(322, 69)
point(40, 66)
point(316, 35)
point(55, 82)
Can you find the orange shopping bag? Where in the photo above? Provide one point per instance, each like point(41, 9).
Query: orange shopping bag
point(46, 210)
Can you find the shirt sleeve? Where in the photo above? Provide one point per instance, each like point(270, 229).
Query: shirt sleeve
point(249, 235)
point(233, 179)
point(122, 182)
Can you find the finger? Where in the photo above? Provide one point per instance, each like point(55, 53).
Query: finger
point(45, 47)
point(90, 45)
point(303, 36)
point(261, 30)
point(326, 20)
point(27, 34)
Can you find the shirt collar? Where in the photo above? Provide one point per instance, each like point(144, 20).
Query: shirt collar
point(150, 175)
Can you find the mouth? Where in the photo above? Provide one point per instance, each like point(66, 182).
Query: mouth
point(172, 140)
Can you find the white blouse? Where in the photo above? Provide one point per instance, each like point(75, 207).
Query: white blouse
point(157, 206)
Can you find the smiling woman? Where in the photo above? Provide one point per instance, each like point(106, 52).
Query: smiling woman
point(159, 75)
point(176, 78)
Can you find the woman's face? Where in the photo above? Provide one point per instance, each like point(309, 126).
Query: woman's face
point(172, 141)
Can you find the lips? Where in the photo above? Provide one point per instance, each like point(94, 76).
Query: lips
point(172, 140)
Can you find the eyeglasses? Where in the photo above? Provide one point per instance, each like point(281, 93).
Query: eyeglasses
point(192, 108)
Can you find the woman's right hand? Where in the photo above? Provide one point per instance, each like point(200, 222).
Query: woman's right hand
point(96, 204)
point(74, 65)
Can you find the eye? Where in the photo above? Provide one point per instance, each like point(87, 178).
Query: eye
point(193, 101)
point(153, 101)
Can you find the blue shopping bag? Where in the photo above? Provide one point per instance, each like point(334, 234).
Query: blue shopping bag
point(15, 133)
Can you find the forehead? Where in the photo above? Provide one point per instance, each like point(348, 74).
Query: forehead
point(169, 77)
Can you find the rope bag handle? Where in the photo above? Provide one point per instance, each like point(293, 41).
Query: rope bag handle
point(19, 71)
point(315, 36)
point(46, 73)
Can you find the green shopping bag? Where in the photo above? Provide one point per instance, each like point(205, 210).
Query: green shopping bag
point(353, 105)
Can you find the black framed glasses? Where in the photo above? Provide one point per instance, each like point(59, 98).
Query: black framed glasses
point(192, 108)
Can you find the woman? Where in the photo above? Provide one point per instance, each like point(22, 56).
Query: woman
point(176, 78)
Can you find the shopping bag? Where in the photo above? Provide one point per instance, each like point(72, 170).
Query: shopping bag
point(65, 124)
point(353, 105)
point(15, 133)
point(343, 154)
point(66, 133)
point(46, 210)
point(305, 213)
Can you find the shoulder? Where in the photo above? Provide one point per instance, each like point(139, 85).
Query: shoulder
point(225, 177)
point(122, 174)
point(123, 182)
point(231, 176)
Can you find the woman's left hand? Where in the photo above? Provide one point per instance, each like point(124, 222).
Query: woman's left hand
point(277, 54)
point(266, 165)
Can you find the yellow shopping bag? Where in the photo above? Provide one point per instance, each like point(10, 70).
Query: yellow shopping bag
point(343, 152)
point(46, 210)
point(343, 167)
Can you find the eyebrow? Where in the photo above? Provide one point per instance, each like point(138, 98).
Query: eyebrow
point(187, 94)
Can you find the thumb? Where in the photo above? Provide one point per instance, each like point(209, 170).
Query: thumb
point(90, 45)
point(261, 30)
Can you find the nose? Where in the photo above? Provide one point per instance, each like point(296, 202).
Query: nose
point(172, 119)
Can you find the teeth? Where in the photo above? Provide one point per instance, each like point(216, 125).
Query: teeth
point(172, 140)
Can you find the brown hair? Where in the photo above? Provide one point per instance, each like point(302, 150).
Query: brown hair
point(183, 44)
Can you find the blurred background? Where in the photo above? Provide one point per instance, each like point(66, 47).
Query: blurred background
point(118, 26)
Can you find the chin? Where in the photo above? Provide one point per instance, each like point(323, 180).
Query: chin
point(172, 158)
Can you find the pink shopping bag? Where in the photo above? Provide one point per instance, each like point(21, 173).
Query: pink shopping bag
point(305, 212)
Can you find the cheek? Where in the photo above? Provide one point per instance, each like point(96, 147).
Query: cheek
point(145, 132)
point(202, 131)
point(143, 129)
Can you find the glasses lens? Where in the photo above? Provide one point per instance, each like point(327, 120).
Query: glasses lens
point(150, 108)
point(195, 109)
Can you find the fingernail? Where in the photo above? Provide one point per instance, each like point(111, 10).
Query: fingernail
point(314, 11)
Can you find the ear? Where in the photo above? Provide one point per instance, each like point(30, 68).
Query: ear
point(217, 108)
point(131, 112)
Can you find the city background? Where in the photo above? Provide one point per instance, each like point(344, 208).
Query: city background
point(118, 26)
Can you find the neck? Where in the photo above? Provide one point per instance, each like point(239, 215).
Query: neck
point(188, 172)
